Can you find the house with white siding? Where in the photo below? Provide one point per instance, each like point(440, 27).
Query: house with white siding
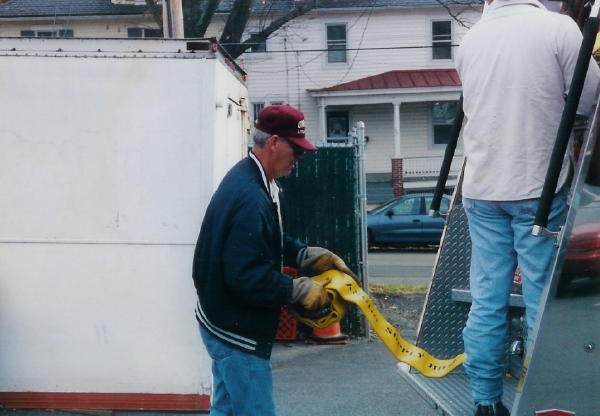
point(388, 63)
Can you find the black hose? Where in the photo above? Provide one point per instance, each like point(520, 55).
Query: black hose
point(566, 123)
point(447, 162)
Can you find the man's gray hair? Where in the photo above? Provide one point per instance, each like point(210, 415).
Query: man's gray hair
point(260, 137)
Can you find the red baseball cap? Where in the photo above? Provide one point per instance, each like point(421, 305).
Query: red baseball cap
point(284, 121)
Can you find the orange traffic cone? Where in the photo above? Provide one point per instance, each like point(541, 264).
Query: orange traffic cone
point(330, 335)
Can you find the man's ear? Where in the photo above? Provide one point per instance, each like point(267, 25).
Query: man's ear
point(272, 141)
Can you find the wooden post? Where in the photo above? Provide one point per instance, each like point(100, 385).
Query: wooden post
point(173, 19)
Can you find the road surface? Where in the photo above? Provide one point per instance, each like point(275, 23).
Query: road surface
point(401, 266)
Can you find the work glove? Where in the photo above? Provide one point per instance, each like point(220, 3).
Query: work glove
point(318, 260)
point(310, 296)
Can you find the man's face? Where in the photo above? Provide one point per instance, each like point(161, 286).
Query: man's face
point(286, 155)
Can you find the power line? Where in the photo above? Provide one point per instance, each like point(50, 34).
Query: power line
point(362, 38)
point(320, 53)
point(376, 48)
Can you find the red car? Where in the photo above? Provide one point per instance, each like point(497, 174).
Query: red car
point(582, 262)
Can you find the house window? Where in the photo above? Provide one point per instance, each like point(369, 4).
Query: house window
point(63, 33)
point(336, 43)
point(443, 114)
point(259, 46)
point(256, 107)
point(140, 32)
point(441, 39)
point(337, 125)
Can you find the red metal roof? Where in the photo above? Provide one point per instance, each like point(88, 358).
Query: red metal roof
point(401, 79)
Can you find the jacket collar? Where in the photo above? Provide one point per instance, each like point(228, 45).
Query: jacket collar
point(272, 188)
point(260, 169)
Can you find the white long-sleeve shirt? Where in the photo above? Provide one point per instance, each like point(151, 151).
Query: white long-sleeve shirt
point(516, 65)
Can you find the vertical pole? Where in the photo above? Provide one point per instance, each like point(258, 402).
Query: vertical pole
point(397, 162)
point(322, 120)
point(287, 71)
point(362, 194)
point(397, 144)
point(173, 19)
point(434, 209)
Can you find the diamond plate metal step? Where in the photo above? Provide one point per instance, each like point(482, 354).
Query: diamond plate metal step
point(451, 395)
point(444, 316)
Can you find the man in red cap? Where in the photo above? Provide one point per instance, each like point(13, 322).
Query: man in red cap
point(238, 263)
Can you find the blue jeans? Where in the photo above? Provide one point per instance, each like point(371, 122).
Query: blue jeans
point(501, 238)
point(242, 382)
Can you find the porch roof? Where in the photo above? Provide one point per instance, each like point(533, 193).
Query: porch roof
point(401, 86)
point(400, 79)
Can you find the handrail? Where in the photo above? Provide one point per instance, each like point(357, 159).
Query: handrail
point(566, 124)
point(434, 210)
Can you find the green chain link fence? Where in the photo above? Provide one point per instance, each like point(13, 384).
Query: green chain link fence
point(321, 207)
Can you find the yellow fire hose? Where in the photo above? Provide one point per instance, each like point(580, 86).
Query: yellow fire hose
point(344, 289)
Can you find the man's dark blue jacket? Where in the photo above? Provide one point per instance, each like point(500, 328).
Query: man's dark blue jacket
point(238, 260)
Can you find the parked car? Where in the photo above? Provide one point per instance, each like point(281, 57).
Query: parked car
point(582, 261)
point(405, 221)
point(583, 252)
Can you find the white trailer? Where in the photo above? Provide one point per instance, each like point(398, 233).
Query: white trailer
point(109, 152)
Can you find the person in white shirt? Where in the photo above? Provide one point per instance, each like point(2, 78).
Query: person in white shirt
point(516, 65)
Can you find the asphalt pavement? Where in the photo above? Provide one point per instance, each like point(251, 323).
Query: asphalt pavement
point(356, 379)
point(401, 267)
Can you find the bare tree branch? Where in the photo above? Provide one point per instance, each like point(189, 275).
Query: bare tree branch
point(235, 49)
point(456, 8)
point(198, 26)
point(236, 22)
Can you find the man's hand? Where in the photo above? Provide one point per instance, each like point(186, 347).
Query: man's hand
point(310, 295)
point(318, 260)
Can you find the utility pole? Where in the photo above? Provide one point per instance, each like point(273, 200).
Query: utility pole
point(173, 19)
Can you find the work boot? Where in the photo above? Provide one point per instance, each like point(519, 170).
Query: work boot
point(496, 409)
